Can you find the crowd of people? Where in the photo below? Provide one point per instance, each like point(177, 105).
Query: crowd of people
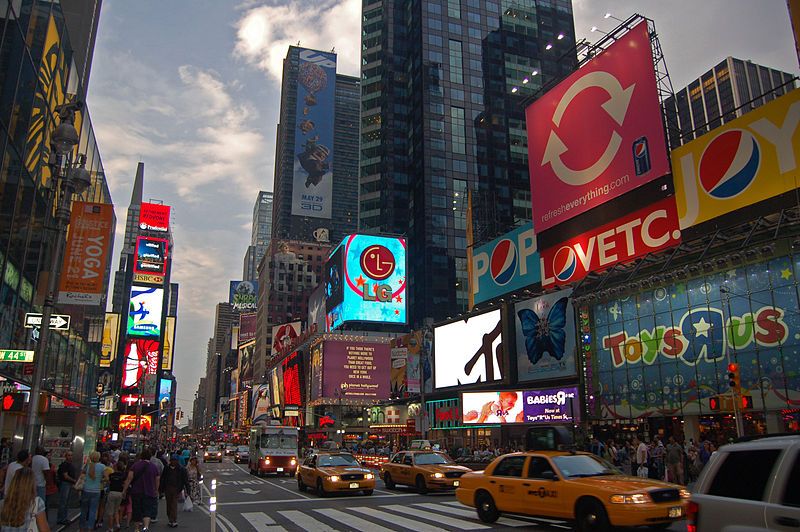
point(116, 490)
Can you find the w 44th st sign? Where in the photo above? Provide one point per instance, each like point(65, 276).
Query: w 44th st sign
point(58, 322)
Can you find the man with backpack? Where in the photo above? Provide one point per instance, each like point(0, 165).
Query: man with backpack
point(143, 483)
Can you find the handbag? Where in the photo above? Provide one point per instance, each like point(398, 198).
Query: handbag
point(187, 504)
point(33, 526)
point(81, 481)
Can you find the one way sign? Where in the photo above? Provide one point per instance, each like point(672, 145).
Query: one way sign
point(59, 322)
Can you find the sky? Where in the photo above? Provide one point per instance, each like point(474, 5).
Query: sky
point(192, 89)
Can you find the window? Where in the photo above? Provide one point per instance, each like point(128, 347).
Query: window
point(538, 466)
point(398, 458)
point(510, 467)
point(458, 137)
point(456, 62)
point(791, 495)
point(407, 460)
point(744, 474)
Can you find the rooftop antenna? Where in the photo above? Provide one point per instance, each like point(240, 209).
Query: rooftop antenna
point(333, 50)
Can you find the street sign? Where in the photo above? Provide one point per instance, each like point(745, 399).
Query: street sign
point(58, 322)
point(15, 355)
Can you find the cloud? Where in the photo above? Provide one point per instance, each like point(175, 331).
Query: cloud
point(265, 32)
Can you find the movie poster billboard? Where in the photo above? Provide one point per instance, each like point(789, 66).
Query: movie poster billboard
point(86, 256)
point(357, 370)
point(261, 403)
point(144, 311)
point(598, 134)
point(140, 359)
point(284, 335)
point(244, 296)
point(108, 349)
point(316, 370)
point(312, 188)
point(398, 385)
point(545, 330)
point(246, 363)
point(247, 327)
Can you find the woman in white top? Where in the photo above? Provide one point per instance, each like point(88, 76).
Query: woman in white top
point(22, 507)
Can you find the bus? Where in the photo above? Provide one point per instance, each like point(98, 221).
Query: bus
point(273, 449)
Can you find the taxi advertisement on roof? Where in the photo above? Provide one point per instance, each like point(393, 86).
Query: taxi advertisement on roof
point(750, 159)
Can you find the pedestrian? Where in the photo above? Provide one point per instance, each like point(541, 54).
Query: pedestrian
point(143, 482)
point(157, 461)
point(674, 457)
point(116, 484)
point(40, 464)
point(195, 476)
point(23, 510)
point(90, 496)
point(173, 481)
point(23, 460)
point(66, 477)
point(641, 457)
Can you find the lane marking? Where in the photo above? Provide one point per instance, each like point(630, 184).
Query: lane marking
point(310, 499)
point(396, 519)
point(293, 492)
point(261, 522)
point(350, 521)
point(505, 521)
point(305, 521)
point(436, 518)
point(222, 527)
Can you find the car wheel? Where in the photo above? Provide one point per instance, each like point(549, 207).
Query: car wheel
point(387, 479)
point(422, 488)
point(591, 517)
point(300, 485)
point(487, 510)
point(321, 489)
point(367, 492)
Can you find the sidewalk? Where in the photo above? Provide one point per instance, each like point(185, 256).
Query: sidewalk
point(198, 519)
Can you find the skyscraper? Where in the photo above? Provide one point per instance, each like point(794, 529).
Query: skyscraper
point(261, 233)
point(316, 159)
point(725, 92)
point(443, 85)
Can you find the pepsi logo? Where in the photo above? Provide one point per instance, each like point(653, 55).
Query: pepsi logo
point(729, 164)
point(503, 264)
point(640, 149)
point(564, 263)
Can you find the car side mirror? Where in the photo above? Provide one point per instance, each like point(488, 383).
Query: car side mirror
point(549, 475)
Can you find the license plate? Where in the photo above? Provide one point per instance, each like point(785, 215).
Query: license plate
point(354, 484)
point(676, 511)
point(280, 470)
point(456, 483)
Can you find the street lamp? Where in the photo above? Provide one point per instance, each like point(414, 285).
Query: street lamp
point(68, 177)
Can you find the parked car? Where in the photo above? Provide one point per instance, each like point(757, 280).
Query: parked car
point(212, 454)
point(242, 454)
point(750, 485)
point(332, 472)
point(425, 470)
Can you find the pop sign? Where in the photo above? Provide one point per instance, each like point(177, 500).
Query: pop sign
point(505, 264)
point(644, 231)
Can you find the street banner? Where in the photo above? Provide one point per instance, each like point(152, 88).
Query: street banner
point(86, 256)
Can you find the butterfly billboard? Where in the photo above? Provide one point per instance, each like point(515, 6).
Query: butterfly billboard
point(545, 330)
point(469, 351)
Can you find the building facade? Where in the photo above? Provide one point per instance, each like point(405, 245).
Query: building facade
point(261, 233)
point(443, 85)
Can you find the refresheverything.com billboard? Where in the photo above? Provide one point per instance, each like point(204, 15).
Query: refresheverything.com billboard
point(750, 159)
point(598, 134)
point(312, 188)
point(505, 264)
point(469, 351)
point(144, 311)
point(554, 405)
point(372, 279)
point(356, 370)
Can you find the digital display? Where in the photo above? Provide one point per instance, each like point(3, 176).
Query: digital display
point(154, 217)
point(164, 390)
point(130, 422)
point(140, 359)
point(554, 405)
point(151, 256)
point(358, 370)
point(291, 380)
point(144, 311)
point(469, 351)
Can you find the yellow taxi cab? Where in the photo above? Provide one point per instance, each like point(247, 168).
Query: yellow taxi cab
point(425, 470)
point(334, 472)
point(578, 487)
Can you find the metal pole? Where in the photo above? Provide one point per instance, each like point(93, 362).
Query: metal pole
point(139, 446)
point(737, 414)
point(40, 356)
point(212, 505)
point(424, 421)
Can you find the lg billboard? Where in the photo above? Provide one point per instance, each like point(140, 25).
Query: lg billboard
point(598, 134)
point(469, 351)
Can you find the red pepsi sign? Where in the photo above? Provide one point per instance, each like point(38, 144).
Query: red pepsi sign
point(635, 235)
point(598, 134)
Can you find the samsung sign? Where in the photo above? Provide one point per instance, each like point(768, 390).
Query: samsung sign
point(505, 264)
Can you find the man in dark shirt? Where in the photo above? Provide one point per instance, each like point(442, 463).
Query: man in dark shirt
point(173, 480)
point(66, 476)
point(143, 483)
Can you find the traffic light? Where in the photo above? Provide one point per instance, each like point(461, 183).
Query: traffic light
point(734, 379)
point(747, 402)
point(13, 402)
point(713, 403)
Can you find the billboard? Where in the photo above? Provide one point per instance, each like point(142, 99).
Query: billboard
point(554, 405)
point(283, 335)
point(247, 327)
point(109, 346)
point(545, 330)
point(164, 390)
point(750, 159)
point(316, 370)
point(316, 309)
point(244, 296)
point(150, 264)
point(246, 363)
point(261, 402)
point(634, 235)
point(154, 217)
point(312, 188)
point(129, 422)
point(598, 134)
point(140, 359)
point(292, 387)
point(372, 279)
point(505, 264)
point(86, 255)
point(144, 311)
point(355, 370)
point(398, 385)
point(169, 343)
point(469, 351)
point(275, 386)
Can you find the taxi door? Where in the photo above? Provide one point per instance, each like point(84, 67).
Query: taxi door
point(307, 471)
point(405, 470)
point(507, 484)
point(393, 466)
point(543, 496)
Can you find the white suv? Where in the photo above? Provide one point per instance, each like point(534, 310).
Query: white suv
point(752, 485)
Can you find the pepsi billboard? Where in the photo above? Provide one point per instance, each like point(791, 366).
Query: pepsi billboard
point(372, 281)
point(748, 160)
point(506, 264)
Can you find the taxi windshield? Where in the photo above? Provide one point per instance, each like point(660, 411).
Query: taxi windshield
point(242, 448)
point(333, 460)
point(212, 449)
point(582, 465)
point(431, 458)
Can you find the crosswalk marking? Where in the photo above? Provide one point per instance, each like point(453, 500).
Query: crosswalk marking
point(346, 519)
point(438, 518)
point(505, 521)
point(306, 522)
point(396, 519)
point(262, 522)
